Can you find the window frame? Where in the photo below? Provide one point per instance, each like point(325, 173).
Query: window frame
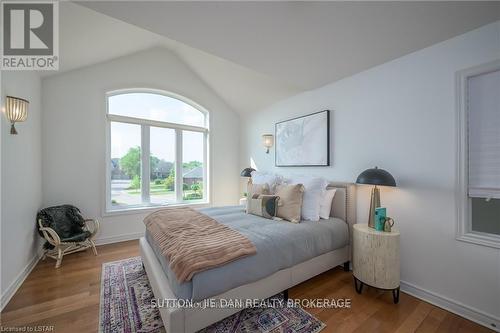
point(145, 125)
point(464, 230)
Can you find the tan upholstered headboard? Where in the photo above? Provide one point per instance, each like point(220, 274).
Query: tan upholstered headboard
point(344, 203)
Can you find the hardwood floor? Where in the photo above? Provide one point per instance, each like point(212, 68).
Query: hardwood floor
point(68, 300)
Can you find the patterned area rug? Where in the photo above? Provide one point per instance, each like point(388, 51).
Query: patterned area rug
point(126, 307)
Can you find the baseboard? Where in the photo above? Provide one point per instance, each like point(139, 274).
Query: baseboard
point(11, 290)
point(14, 286)
point(119, 238)
point(473, 314)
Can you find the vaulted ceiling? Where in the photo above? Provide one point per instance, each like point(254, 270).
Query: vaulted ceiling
point(254, 53)
point(307, 44)
point(88, 37)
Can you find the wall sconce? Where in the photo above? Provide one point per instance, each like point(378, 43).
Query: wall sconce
point(16, 110)
point(267, 141)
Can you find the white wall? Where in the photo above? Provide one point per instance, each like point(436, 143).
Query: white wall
point(400, 116)
point(21, 178)
point(74, 133)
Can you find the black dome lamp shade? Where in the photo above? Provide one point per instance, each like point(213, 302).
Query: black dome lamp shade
point(375, 177)
point(247, 172)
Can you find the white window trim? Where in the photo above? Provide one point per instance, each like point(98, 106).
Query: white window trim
point(146, 124)
point(464, 230)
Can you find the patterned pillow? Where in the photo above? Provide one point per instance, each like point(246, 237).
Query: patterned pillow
point(254, 190)
point(263, 205)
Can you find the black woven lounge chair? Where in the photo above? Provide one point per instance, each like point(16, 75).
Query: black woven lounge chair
point(65, 231)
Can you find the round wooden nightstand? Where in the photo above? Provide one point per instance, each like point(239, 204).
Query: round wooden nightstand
point(375, 259)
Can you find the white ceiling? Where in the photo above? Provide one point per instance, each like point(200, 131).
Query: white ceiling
point(306, 44)
point(253, 54)
point(88, 37)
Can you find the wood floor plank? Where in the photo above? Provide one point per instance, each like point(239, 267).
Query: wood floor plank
point(431, 323)
point(68, 299)
point(415, 319)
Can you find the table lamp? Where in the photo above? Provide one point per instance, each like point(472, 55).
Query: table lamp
point(247, 172)
point(377, 177)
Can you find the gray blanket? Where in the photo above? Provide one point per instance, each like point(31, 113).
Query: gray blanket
point(279, 245)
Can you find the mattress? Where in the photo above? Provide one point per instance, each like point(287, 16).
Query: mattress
point(279, 245)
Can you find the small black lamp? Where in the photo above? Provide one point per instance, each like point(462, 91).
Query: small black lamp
point(375, 177)
point(247, 172)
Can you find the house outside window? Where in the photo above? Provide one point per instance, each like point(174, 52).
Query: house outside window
point(157, 150)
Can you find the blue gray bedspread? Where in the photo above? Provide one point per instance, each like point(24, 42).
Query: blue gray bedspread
point(279, 245)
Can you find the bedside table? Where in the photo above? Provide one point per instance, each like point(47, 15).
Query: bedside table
point(243, 201)
point(375, 259)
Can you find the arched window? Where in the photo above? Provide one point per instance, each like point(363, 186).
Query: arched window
point(157, 150)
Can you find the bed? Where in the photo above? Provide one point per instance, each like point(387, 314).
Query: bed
point(287, 254)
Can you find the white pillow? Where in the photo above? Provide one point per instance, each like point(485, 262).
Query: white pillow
point(314, 188)
point(325, 206)
point(270, 179)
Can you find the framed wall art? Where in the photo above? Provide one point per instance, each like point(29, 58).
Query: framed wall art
point(303, 141)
